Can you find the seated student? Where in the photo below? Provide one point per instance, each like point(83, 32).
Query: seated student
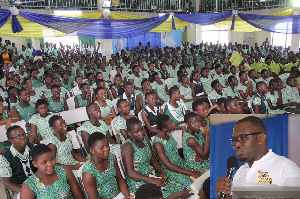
point(150, 72)
point(39, 122)
point(160, 88)
point(175, 108)
point(291, 93)
point(231, 91)
point(76, 88)
point(165, 146)
point(203, 110)
point(253, 76)
point(100, 83)
point(36, 82)
point(150, 113)
point(83, 99)
point(15, 162)
point(216, 93)
point(139, 161)
point(265, 76)
point(163, 73)
point(130, 97)
point(152, 191)
point(101, 175)
point(6, 117)
point(34, 94)
point(274, 98)
point(140, 98)
point(61, 145)
point(232, 106)
point(221, 105)
point(50, 181)
point(260, 103)
point(64, 93)
point(107, 109)
point(117, 88)
point(24, 109)
point(95, 124)
point(219, 76)
point(120, 122)
point(66, 81)
point(12, 98)
point(56, 102)
point(136, 78)
point(197, 86)
point(186, 91)
point(46, 88)
point(205, 80)
point(245, 87)
point(195, 143)
point(232, 72)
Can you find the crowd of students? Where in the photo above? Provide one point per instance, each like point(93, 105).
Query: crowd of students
point(166, 90)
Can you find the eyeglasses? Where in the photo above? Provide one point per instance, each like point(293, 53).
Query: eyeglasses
point(20, 136)
point(241, 138)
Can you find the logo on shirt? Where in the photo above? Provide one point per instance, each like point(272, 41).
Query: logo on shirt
point(264, 177)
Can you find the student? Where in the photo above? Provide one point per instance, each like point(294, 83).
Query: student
point(205, 80)
point(83, 99)
point(253, 76)
point(136, 78)
point(231, 90)
point(117, 88)
point(216, 93)
point(163, 73)
point(197, 86)
point(107, 109)
point(95, 124)
point(221, 105)
point(245, 87)
point(39, 122)
point(56, 102)
point(141, 99)
point(203, 110)
point(219, 76)
point(274, 98)
point(139, 161)
point(34, 94)
point(61, 145)
point(151, 112)
point(165, 146)
point(50, 181)
point(46, 88)
point(175, 107)
point(232, 106)
point(15, 162)
point(76, 89)
point(100, 83)
point(195, 143)
point(66, 81)
point(259, 103)
point(291, 93)
point(160, 88)
point(6, 117)
point(130, 97)
point(101, 175)
point(120, 122)
point(186, 91)
point(12, 98)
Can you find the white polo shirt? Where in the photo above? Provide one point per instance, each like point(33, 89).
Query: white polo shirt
point(270, 169)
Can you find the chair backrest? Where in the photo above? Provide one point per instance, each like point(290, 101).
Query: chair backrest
point(196, 186)
point(79, 177)
point(208, 97)
point(3, 136)
point(114, 130)
point(177, 135)
point(250, 106)
point(71, 103)
point(77, 142)
point(118, 155)
point(75, 115)
point(141, 118)
point(112, 74)
point(114, 102)
point(163, 106)
point(169, 82)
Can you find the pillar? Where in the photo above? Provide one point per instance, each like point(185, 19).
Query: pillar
point(295, 37)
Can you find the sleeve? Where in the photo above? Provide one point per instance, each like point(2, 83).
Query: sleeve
point(212, 95)
point(256, 101)
point(154, 85)
point(5, 169)
point(51, 141)
point(291, 174)
point(33, 120)
point(131, 76)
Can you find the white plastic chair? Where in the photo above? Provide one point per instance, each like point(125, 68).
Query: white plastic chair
point(118, 155)
point(169, 82)
point(75, 115)
point(250, 106)
point(195, 187)
point(114, 130)
point(77, 142)
point(79, 177)
point(177, 135)
point(71, 103)
point(112, 74)
point(141, 118)
point(3, 136)
point(114, 102)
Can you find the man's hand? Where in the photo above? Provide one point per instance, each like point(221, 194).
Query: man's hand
point(223, 185)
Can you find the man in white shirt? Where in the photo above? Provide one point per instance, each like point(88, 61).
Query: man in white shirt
point(262, 166)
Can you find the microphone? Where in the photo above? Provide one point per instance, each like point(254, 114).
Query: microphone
point(232, 164)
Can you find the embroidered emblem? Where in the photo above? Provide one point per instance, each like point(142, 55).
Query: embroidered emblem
point(264, 177)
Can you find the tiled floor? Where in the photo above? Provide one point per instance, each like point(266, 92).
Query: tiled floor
point(2, 192)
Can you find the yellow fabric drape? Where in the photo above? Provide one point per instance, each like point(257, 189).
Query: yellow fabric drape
point(94, 15)
point(30, 30)
point(116, 16)
point(167, 25)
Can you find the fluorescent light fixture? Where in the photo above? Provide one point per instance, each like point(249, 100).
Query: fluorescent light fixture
point(161, 14)
point(296, 3)
point(67, 12)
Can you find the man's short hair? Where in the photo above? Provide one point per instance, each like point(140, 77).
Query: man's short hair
point(255, 121)
point(10, 129)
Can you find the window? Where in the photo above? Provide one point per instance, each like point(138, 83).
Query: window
point(214, 34)
point(281, 39)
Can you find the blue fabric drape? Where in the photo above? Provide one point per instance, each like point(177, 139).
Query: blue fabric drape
point(4, 16)
point(15, 24)
point(114, 29)
point(233, 22)
point(153, 38)
point(221, 149)
point(173, 24)
point(204, 19)
point(268, 22)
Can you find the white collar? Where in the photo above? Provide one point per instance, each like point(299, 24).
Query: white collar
point(150, 110)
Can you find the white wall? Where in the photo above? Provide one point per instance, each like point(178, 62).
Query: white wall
point(18, 41)
point(106, 46)
point(294, 138)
